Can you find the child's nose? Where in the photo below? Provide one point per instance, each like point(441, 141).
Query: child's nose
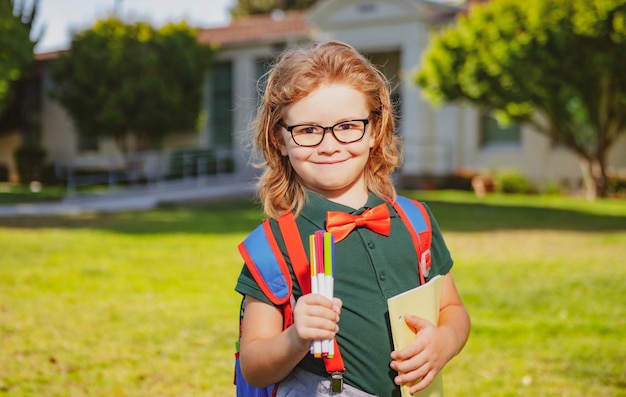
point(328, 140)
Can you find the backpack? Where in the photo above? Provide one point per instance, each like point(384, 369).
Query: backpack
point(267, 265)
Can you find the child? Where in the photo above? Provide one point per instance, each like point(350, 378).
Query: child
point(326, 131)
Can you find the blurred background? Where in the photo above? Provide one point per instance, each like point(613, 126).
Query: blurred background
point(126, 182)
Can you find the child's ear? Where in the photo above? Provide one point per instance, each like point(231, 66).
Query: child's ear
point(280, 142)
point(283, 148)
point(372, 138)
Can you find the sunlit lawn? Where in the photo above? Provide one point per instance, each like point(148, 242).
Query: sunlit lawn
point(142, 304)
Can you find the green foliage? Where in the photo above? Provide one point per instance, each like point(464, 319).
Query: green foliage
point(553, 187)
point(255, 7)
point(121, 78)
point(617, 185)
point(557, 64)
point(29, 161)
point(16, 49)
point(4, 173)
point(142, 304)
point(512, 181)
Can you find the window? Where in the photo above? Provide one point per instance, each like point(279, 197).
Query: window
point(222, 105)
point(495, 134)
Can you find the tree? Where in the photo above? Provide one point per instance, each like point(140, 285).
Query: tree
point(556, 64)
point(16, 47)
point(119, 79)
point(255, 7)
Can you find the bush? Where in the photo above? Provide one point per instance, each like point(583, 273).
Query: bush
point(617, 185)
point(4, 173)
point(513, 182)
point(553, 188)
point(29, 163)
point(49, 176)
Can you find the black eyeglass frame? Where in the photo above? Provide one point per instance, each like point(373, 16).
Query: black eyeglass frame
point(324, 129)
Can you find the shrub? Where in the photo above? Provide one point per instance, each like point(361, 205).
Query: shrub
point(617, 185)
point(553, 187)
point(511, 182)
point(29, 162)
point(49, 176)
point(4, 173)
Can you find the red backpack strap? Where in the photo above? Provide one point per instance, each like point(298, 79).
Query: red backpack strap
point(416, 219)
point(295, 250)
point(300, 264)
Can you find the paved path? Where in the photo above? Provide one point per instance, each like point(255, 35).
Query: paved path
point(141, 198)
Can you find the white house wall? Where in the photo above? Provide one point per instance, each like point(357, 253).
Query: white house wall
point(57, 128)
point(617, 156)
point(443, 139)
point(244, 88)
point(535, 156)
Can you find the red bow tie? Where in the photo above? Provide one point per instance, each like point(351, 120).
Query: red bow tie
point(341, 224)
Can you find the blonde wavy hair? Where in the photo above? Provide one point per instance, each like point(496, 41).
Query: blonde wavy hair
point(296, 74)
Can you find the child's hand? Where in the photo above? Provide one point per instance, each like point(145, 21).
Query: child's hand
point(424, 357)
point(316, 317)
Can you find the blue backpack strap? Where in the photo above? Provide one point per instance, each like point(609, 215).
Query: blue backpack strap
point(417, 221)
point(267, 264)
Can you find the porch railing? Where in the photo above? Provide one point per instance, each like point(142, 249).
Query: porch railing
point(143, 168)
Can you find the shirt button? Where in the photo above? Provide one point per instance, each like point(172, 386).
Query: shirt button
point(382, 277)
point(371, 245)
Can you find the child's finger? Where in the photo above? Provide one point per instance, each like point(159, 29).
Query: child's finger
point(416, 323)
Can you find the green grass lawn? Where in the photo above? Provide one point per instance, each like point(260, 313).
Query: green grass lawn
point(16, 194)
point(142, 304)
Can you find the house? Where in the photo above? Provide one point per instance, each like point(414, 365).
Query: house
point(393, 33)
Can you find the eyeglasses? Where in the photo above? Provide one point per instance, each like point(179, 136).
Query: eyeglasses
point(312, 134)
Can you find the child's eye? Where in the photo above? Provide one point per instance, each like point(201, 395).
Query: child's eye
point(346, 126)
point(308, 129)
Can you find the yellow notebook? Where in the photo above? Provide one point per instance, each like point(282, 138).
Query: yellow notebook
point(422, 301)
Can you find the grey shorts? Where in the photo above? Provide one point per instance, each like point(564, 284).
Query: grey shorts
point(301, 383)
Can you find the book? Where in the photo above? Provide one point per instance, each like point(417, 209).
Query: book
point(422, 301)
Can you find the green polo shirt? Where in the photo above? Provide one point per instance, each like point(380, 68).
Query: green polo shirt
point(369, 268)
